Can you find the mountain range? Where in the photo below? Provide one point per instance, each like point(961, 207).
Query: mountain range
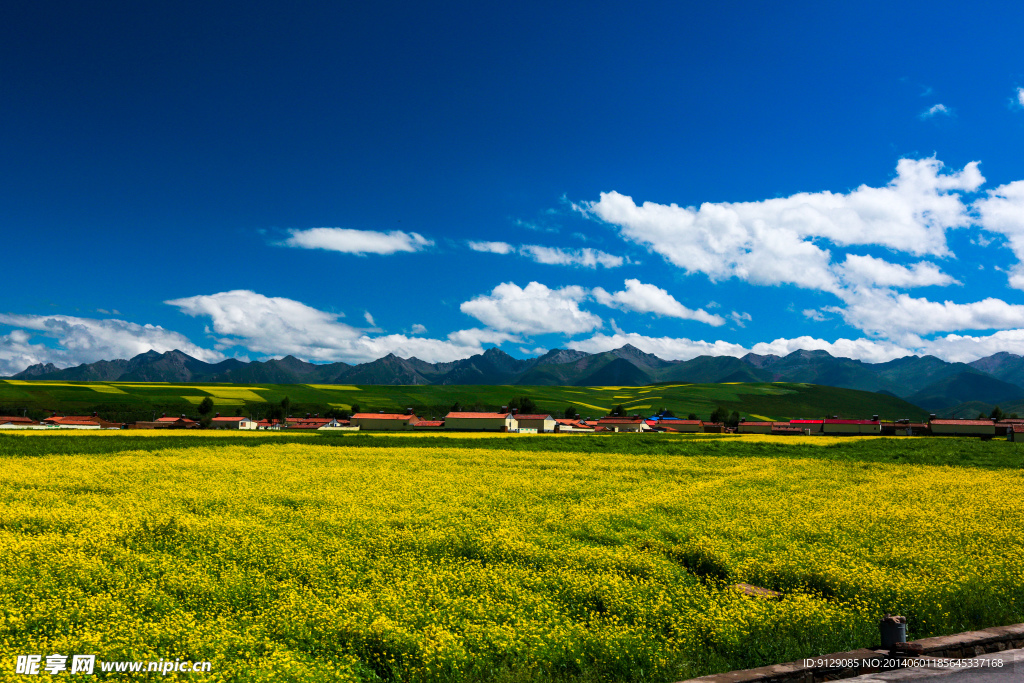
point(927, 381)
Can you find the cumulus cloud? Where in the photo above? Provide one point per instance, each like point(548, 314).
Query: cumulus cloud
point(876, 272)
point(418, 329)
point(899, 316)
point(776, 241)
point(1002, 212)
point(645, 298)
point(492, 247)
point(534, 309)
point(936, 110)
point(87, 340)
point(350, 241)
point(1020, 96)
point(277, 326)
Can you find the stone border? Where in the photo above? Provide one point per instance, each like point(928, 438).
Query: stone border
point(970, 644)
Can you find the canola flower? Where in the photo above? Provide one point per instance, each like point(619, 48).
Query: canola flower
point(310, 562)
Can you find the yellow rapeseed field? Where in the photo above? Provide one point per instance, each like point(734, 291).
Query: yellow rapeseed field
point(324, 562)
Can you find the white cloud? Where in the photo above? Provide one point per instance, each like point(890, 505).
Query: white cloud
point(960, 348)
point(369, 319)
point(350, 241)
point(1020, 96)
point(1002, 212)
point(276, 326)
point(773, 241)
point(645, 298)
point(899, 316)
point(535, 309)
point(418, 329)
point(815, 314)
point(492, 247)
point(935, 110)
point(876, 272)
point(740, 319)
point(87, 340)
point(670, 348)
point(586, 257)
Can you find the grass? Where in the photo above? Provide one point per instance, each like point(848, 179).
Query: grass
point(327, 557)
point(141, 400)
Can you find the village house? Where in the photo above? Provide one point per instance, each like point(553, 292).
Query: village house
point(232, 423)
point(72, 422)
point(624, 424)
point(755, 427)
point(315, 423)
point(480, 422)
point(542, 423)
point(428, 426)
point(569, 425)
point(837, 427)
point(678, 426)
point(808, 426)
point(982, 428)
point(16, 422)
point(383, 421)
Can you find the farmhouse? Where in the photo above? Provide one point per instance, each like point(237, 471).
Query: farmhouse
point(72, 422)
point(166, 423)
point(851, 427)
point(15, 422)
point(755, 427)
point(314, 423)
point(568, 425)
point(383, 421)
point(624, 424)
point(232, 423)
point(428, 425)
point(963, 427)
point(481, 422)
point(542, 423)
point(808, 426)
point(1015, 432)
point(680, 426)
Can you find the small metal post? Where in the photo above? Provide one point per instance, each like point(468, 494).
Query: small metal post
point(893, 630)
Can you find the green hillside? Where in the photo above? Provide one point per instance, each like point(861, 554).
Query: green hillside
point(126, 401)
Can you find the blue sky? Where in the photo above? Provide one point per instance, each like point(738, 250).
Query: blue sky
point(341, 181)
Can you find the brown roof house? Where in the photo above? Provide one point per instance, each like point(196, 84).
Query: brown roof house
point(624, 424)
point(480, 422)
point(383, 421)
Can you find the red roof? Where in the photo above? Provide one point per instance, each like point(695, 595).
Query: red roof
point(964, 423)
point(16, 419)
point(429, 423)
point(174, 419)
point(229, 419)
point(805, 422)
point(478, 416)
point(852, 422)
point(621, 420)
point(759, 424)
point(534, 417)
point(72, 419)
point(383, 416)
point(1017, 427)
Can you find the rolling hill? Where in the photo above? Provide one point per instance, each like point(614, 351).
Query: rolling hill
point(127, 401)
point(929, 382)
